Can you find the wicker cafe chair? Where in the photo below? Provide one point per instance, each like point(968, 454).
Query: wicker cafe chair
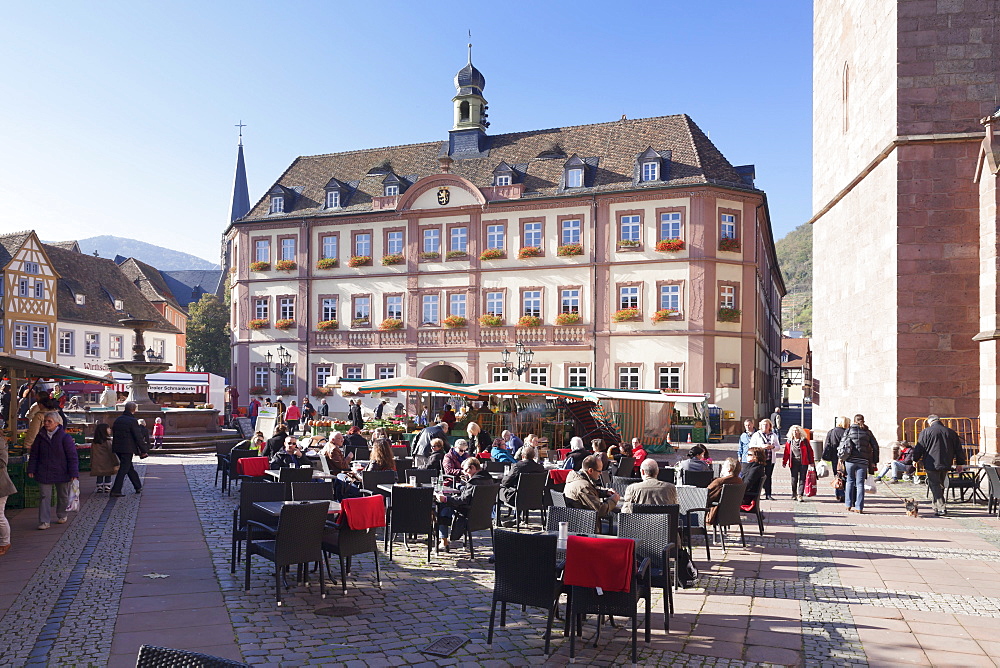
point(580, 520)
point(222, 451)
point(151, 656)
point(558, 498)
point(530, 495)
point(525, 574)
point(586, 600)
point(346, 542)
point(479, 516)
point(620, 484)
point(993, 476)
point(403, 463)
point(727, 513)
point(625, 467)
point(655, 537)
point(251, 492)
point(694, 505)
point(320, 490)
point(423, 476)
point(235, 455)
point(667, 474)
point(754, 509)
point(412, 512)
point(298, 540)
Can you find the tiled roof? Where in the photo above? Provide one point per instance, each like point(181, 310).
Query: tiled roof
point(101, 281)
point(10, 244)
point(149, 281)
point(798, 352)
point(66, 245)
point(612, 146)
point(189, 285)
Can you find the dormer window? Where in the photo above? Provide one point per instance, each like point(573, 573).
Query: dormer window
point(575, 175)
point(392, 185)
point(503, 175)
point(277, 204)
point(650, 171)
point(649, 165)
point(119, 305)
point(81, 300)
point(501, 180)
point(282, 199)
point(336, 194)
point(333, 199)
point(391, 191)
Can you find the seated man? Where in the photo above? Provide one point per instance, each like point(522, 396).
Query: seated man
point(695, 460)
point(582, 490)
point(334, 453)
point(575, 458)
point(290, 456)
point(436, 460)
point(500, 453)
point(457, 505)
point(527, 465)
point(650, 491)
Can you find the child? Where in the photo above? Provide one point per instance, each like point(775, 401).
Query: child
point(158, 434)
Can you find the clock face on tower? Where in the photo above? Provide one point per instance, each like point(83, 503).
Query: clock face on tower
point(443, 196)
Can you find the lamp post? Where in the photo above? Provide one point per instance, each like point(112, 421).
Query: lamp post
point(281, 363)
point(524, 356)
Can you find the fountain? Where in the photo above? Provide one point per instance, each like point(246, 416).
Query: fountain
point(138, 367)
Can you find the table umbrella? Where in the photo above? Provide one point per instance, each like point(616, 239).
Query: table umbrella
point(413, 384)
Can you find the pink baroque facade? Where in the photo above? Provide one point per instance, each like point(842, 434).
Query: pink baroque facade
point(629, 254)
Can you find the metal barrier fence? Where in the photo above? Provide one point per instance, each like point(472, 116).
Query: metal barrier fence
point(966, 428)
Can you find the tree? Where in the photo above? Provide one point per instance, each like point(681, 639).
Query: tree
point(208, 336)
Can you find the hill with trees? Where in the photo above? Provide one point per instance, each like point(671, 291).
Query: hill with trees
point(795, 258)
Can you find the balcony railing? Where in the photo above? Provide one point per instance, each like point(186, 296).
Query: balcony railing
point(450, 338)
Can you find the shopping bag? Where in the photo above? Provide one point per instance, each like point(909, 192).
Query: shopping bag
point(870, 488)
point(810, 486)
point(821, 470)
point(74, 496)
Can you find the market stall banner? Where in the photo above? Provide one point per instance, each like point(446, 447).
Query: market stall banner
point(176, 388)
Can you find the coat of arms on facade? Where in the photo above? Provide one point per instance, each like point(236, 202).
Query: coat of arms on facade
point(444, 196)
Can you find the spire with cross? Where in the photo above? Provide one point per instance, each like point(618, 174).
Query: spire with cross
point(241, 125)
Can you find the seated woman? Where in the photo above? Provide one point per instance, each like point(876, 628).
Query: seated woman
point(258, 442)
point(695, 460)
point(600, 450)
point(381, 458)
point(500, 453)
point(730, 476)
point(754, 472)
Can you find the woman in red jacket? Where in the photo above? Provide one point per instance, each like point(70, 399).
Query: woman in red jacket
point(799, 456)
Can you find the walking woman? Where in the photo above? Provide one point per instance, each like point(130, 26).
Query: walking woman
point(103, 461)
point(766, 439)
point(53, 462)
point(859, 450)
point(830, 446)
point(6, 489)
point(799, 457)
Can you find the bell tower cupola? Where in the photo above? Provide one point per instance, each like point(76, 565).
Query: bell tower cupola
point(468, 133)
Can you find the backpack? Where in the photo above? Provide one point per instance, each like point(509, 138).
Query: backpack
point(852, 447)
point(686, 571)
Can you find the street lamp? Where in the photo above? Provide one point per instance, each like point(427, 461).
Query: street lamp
point(281, 366)
point(151, 356)
point(524, 356)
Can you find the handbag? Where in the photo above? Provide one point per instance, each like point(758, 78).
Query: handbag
point(837, 482)
point(73, 504)
point(686, 571)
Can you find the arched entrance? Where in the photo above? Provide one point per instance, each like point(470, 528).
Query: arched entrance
point(443, 373)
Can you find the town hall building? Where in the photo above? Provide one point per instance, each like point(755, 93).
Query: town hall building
point(628, 254)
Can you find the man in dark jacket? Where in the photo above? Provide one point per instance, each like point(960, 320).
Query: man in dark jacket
point(324, 408)
point(276, 443)
point(458, 505)
point(574, 460)
point(127, 440)
point(527, 464)
point(938, 447)
point(422, 444)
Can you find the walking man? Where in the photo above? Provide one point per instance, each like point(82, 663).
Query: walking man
point(749, 428)
point(776, 418)
point(127, 441)
point(938, 447)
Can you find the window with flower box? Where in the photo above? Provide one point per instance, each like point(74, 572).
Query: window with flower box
point(322, 374)
point(393, 242)
point(431, 240)
point(669, 377)
point(531, 302)
point(727, 296)
point(577, 376)
point(494, 303)
point(729, 230)
point(669, 296)
point(288, 248)
point(354, 371)
point(430, 309)
point(286, 308)
point(328, 308)
point(628, 377)
point(629, 230)
point(628, 297)
point(727, 226)
point(362, 244)
point(261, 378)
point(362, 311)
point(671, 224)
point(456, 305)
point(260, 308)
point(569, 231)
point(458, 239)
point(495, 235)
point(569, 300)
point(262, 250)
point(531, 233)
point(329, 243)
point(394, 306)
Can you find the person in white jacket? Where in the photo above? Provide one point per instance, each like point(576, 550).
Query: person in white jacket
point(767, 439)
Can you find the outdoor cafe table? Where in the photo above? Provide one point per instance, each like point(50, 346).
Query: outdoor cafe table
point(273, 508)
point(968, 481)
point(317, 474)
point(444, 490)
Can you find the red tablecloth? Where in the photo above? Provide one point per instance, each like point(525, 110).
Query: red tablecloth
point(563, 452)
point(599, 562)
point(251, 466)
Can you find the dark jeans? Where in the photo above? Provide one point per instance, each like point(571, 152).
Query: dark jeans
point(125, 469)
point(769, 469)
point(938, 482)
point(293, 426)
point(798, 470)
point(854, 490)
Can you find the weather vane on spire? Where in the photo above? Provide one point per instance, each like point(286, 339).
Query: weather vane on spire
point(470, 47)
point(241, 125)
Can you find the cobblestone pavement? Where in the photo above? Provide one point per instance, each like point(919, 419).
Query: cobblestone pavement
point(822, 587)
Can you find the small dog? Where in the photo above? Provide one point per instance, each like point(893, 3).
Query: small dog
point(912, 507)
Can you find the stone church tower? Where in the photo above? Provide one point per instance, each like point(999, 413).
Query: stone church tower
point(900, 88)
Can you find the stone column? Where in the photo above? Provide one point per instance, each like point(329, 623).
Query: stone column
point(989, 294)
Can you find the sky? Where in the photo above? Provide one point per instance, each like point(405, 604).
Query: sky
point(119, 117)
